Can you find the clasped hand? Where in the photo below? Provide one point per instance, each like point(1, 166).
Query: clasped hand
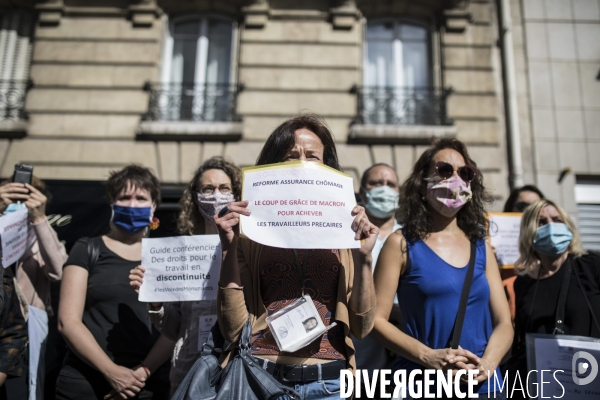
point(457, 359)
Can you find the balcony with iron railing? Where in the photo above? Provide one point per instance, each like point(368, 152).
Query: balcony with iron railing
point(13, 117)
point(400, 114)
point(191, 111)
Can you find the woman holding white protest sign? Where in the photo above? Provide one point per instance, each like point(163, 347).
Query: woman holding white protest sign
point(215, 184)
point(438, 257)
point(41, 264)
point(555, 276)
point(107, 329)
point(259, 280)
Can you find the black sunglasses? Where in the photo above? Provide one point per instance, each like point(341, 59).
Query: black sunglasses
point(445, 171)
point(521, 206)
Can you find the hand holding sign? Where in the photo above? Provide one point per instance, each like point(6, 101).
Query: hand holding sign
point(228, 222)
point(13, 231)
point(302, 205)
point(180, 268)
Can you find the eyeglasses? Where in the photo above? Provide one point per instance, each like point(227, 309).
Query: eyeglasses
point(522, 205)
point(445, 171)
point(210, 189)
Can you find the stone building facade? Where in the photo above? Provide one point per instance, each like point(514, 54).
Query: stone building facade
point(557, 62)
point(96, 64)
point(168, 84)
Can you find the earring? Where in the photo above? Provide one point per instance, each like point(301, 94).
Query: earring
point(154, 224)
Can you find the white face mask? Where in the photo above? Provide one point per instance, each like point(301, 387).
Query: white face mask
point(382, 201)
point(210, 204)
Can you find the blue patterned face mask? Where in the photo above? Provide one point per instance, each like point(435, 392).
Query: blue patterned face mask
point(131, 220)
point(552, 239)
point(382, 201)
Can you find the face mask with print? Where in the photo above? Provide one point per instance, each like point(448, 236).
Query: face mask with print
point(448, 196)
point(210, 204)
point(552, 239)
point(131, 220)
point(382, 201)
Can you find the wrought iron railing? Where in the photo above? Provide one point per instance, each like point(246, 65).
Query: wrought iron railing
point(192, 102)
point(385, 105)
point(12, 99)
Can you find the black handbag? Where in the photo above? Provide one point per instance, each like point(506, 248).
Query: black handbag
point(243, 378)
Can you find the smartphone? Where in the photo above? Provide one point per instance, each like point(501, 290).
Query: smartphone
point(23, 173)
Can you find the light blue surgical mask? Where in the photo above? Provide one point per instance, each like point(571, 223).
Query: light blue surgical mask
point(382, 202)
point(552, 239)
point(12, 207)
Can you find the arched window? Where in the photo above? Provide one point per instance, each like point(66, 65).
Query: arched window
point(197, 69)
point(397, 82)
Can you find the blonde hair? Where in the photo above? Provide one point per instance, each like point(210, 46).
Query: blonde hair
point(528, 258)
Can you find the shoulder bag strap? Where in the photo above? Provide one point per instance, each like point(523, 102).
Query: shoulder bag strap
point(587, 300)
point(559, 319)
point(93, 249)
point(464, 298)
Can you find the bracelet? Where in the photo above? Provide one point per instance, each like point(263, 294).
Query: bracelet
point(146, 370)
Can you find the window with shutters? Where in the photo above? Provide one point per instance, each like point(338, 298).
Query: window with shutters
point(16, 33)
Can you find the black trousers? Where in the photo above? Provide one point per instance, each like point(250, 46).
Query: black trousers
point(87, 383)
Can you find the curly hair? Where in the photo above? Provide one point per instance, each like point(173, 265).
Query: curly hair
point(190, 220)
point(413, 213)
point(283, 139)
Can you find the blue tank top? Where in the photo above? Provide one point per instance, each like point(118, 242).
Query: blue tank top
point(429, 293)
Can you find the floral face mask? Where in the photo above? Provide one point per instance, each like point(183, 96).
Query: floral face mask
point(447, 196)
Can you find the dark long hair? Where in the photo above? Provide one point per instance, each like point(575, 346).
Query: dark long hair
point(413, 214)
point(190, 220)
point(514, 195)
point(283, 140)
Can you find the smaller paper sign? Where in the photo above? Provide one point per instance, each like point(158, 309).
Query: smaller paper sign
point(504, 231)
point(299, 205)
point(181, 268)
point(13, 231)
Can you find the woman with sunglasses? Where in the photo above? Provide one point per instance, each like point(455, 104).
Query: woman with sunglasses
point(522, 197)
point(518, 200)
point(425, 263)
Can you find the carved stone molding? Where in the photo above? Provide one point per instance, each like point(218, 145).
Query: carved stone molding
point(456, 20)
point(144, 13)
point(50, 13)
point(345, 15)
point(256, 15)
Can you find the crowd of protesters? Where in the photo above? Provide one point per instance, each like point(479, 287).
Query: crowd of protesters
point(394, 299)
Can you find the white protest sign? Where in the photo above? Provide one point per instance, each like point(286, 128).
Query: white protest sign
point(299, 205)
point(181, 268)
point(504, 231)
point(13, 231)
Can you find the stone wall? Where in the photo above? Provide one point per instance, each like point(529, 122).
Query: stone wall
point(89, 71)
point(562, 64)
